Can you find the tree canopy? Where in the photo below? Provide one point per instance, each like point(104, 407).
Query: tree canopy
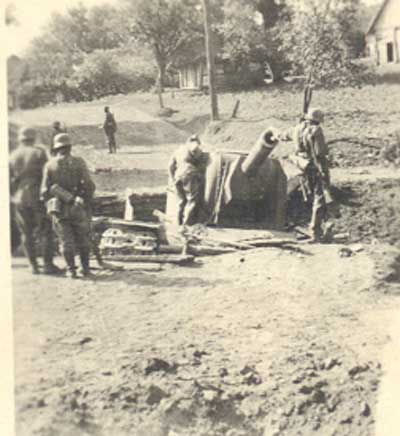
point(318, 37)
point(318, 40)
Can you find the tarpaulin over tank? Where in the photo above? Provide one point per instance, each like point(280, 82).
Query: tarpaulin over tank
point(233, 198)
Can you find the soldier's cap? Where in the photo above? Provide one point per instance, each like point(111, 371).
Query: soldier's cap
point(106, 108)
point(56, 124)
point(194, 138)
point(27, 134)
point(314, 114)
point(193, 143)
point(61, 140)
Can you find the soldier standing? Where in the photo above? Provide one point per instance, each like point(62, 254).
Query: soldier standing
point(26, 171)
point(186, 174)
point(57, 129)
point(110, 127)
point(311, 145)
point(68, 190)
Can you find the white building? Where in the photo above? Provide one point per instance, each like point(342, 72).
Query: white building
point(383, 36)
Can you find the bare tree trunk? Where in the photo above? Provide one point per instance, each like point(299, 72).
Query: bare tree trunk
point(160, 86)
point(210, 61)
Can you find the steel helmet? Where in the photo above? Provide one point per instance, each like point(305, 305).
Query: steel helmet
point(193, 143)
point(27, 134)
point(314, 114)
point(61, 140)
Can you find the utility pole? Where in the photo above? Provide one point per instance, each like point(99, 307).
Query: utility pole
point(210, 61)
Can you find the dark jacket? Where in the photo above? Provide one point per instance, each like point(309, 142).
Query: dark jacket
point(110, 124)
point(26, 170)
point(69, 173)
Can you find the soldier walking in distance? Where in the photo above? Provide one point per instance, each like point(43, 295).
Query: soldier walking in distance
point(110, 127)
point(26, 171)
point(186, 175)
point(311, 145)
point(68, 190)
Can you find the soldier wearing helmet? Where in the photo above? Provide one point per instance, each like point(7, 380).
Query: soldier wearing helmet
point(68, 189)
point(186, 176)
point(57, 129)
point(110, 127)
point(26, 171)
point(311, 146)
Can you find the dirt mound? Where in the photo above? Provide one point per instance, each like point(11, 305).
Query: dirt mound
point(366, 210)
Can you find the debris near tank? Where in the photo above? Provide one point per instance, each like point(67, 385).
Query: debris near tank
point(177, 259)
point(121, 237)
point(201, 240)
point(108, 204)
point(135, 242)
point(195, 249)
point(118, 241)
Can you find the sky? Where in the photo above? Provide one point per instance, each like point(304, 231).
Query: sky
point(32, 15)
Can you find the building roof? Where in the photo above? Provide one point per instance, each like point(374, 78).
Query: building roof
point(377, 16)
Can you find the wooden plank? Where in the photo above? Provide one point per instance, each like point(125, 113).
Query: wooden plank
point(159, 258)
point(195, 249)
point(134, 224)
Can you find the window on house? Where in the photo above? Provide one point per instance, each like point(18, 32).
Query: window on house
point(389, 50)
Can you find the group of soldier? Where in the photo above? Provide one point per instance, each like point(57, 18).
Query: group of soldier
point(51, 195)
point(55, 194)
point(186, 172)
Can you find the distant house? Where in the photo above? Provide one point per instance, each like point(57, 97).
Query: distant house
point(193, 74)
point(383, 36)
point(16, 69)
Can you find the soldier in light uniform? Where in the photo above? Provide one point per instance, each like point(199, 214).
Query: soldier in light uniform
point(68, 190)
point(186, 175)
point(26, 171)
point(311, 146)
point(110, 127)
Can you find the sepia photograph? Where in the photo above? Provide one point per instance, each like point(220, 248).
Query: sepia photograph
point(202, 214)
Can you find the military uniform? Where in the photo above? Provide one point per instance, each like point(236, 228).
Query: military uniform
point(185, 169)
point(311, 145)
point(110, 127)
point(26, 170)
point(70, 176)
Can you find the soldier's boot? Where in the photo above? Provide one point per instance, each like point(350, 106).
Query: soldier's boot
point(71, 268)
point(51, 269)
point(48, 252)
point(328, 232)
point(28, 245)
point(85, 268)
point(317, 218)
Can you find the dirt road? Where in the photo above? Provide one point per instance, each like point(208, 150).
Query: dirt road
point(261, 342)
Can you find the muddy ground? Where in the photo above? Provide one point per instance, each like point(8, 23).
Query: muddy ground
point(261, 342)
point(228, 346)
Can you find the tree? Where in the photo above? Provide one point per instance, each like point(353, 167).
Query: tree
point(167, 27)
point(316, 41)
point(71, 36)
point(248, 29)
point(210, 50)
point(10, 15)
